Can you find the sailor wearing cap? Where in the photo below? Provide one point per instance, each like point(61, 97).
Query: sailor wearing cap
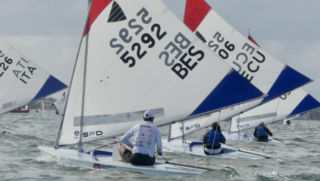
point(146, 135)
point(261, 132)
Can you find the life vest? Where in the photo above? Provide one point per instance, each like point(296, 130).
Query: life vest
point(261, 131)
point(213, 136)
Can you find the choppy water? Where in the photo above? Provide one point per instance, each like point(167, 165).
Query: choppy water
point(20, 159)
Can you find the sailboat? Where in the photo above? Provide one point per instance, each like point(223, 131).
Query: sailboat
point(22, 81)
point(133, 56)
point(261, 69)
point(288, 106)
point(59, 104)
point(42, 106)
point(19, 110)
point(287, 121)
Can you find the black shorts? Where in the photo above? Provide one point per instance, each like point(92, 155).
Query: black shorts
point(137, 158)
point(262, 138)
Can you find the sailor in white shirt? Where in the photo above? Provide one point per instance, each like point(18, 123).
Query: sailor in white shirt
point(145, 136)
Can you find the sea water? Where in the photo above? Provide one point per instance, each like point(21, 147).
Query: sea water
point(20, 159)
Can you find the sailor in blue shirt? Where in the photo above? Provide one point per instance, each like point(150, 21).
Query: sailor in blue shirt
point(146, 135)
point(212, 139)
point(261, 132)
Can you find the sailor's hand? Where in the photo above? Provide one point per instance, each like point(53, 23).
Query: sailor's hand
point(160, 154)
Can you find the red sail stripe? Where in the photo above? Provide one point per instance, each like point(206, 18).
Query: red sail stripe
point(96, 8)
point(196, 11)
point(252, 40)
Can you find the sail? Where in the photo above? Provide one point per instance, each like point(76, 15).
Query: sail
point(42, 104)
point(288, 105)
point(261, 69)
point(140, 56)
point(22, 81)
point(59, 104)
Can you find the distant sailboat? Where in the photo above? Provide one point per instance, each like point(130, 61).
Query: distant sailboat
point(59, 104)
point(247, 58)
point(287, 107)
point(19, 110)
point(22, 82)
point(136, 55)
point(265, 72)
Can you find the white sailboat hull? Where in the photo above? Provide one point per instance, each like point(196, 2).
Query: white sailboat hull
point(108, 162)
point(245, 137)
point(197, 150)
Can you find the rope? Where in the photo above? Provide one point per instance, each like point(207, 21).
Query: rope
point(239, 125)
point(272, 122)
point(215, 133)
point(16, 121)
point(226, 124)
point(243, 143)
point(295, 129)
point(114, 142)
point(189, 166)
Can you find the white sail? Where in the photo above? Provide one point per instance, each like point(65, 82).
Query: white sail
point(139, 56)
point(42, 104)
point(21, 80)
point(288, 105)
point(59, 104)
point(261, 69)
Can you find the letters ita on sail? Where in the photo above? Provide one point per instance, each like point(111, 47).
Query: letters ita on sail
point(22, 81)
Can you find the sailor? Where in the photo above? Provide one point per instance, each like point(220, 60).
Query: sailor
point(261, 132)
point(212, 139)
point(288, 122)
point(145, 136)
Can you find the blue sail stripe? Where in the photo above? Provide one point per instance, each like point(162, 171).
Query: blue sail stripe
point(307, 104)
point(231, 90)
point(288, 80)
point(51, 86)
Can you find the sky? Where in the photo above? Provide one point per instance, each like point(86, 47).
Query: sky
point(48, 32)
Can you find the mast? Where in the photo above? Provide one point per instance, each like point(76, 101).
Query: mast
point(169, 135)
point(183, 132)
point(56, 145)
point(80, 147)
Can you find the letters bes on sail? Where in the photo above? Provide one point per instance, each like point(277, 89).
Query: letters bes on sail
point(141, 57)
point(179, 54)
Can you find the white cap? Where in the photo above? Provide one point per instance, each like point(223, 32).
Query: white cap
point(148, 114)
